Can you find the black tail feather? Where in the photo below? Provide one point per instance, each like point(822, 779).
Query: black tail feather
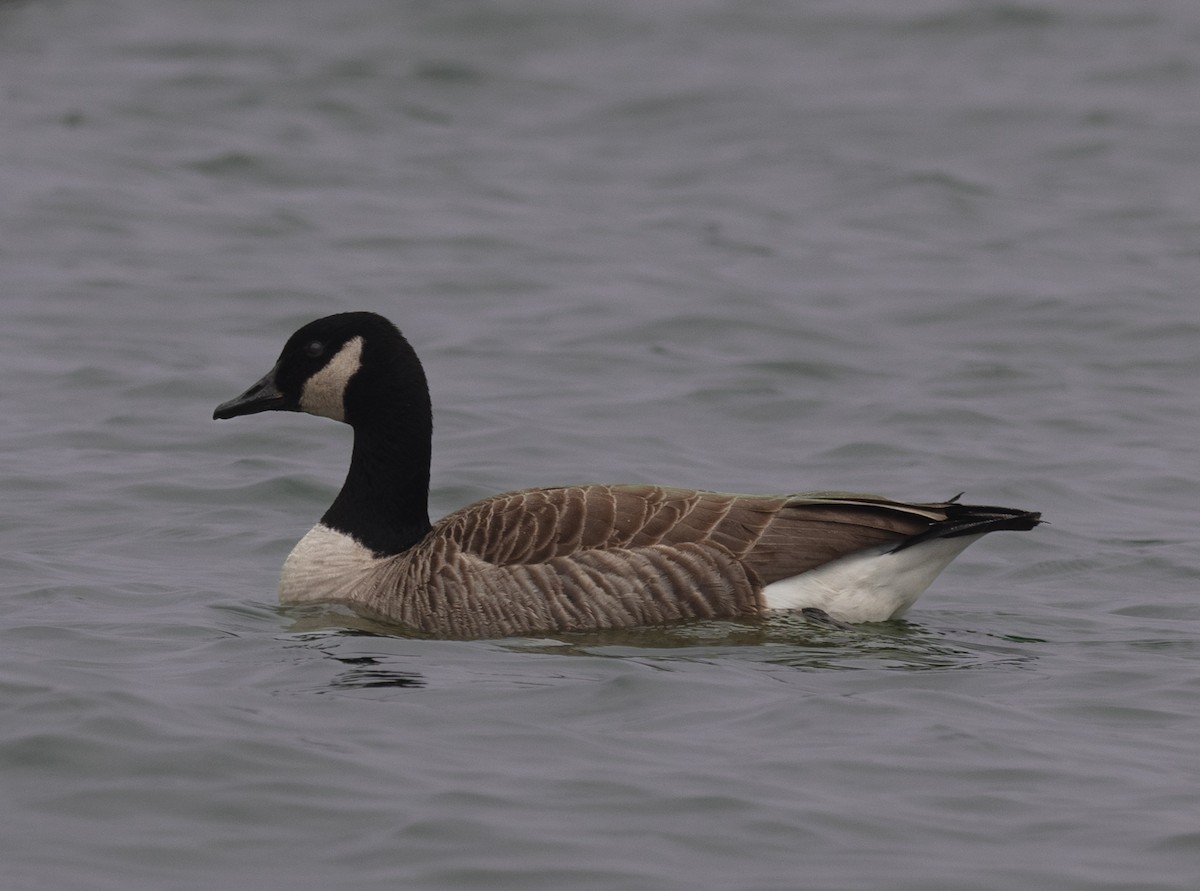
point(974, 519)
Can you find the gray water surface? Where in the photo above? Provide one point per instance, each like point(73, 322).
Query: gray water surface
point(913, 247)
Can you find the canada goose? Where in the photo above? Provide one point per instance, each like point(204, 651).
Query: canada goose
point(573, 558)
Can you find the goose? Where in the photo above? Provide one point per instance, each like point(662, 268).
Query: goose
point(576, 557)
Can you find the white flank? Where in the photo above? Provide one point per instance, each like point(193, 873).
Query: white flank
point(324, 393)
point(872, 585)
point(326, 565)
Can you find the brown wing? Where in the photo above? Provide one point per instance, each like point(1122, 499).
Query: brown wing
point(810, 530)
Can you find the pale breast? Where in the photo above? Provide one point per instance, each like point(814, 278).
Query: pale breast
point(327, 565)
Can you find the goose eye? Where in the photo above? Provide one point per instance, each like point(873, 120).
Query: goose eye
point(314, 349)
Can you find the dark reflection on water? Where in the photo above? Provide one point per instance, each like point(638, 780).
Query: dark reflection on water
point(370, 674)
point(362, 670)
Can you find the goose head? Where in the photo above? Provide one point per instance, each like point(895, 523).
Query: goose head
point(353, 367)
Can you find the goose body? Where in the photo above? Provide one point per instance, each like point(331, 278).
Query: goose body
point(573, 558)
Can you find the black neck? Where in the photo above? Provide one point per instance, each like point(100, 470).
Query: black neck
point(384, 503)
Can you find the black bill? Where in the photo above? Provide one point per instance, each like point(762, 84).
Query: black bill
point(262, 396)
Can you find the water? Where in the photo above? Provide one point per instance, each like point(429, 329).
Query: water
point(913, 246)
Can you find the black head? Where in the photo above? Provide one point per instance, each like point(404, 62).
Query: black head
point(345, 366)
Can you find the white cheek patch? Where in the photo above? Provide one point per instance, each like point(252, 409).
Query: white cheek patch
point(324, 393)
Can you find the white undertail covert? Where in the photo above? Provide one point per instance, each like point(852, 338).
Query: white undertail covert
point(872, 585)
